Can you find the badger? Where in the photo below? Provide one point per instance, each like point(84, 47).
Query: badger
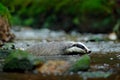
point(58, 48)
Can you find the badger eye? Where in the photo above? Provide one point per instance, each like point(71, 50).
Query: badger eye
point(79, 46)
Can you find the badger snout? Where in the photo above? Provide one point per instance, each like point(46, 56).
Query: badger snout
point(88, 51)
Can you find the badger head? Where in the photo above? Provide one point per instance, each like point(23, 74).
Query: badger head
point(77, 48)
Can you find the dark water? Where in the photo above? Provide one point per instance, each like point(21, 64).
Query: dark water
point(103, 67)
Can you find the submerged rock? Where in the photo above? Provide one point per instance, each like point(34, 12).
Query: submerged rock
point(96, 74)
point(54, 67)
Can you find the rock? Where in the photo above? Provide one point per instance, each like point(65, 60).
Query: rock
point(112, 36)
point(5, 33)
point(54, 67)
point(96, 74)
point(8, 46)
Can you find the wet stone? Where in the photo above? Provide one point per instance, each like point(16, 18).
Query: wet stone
point(54, 67)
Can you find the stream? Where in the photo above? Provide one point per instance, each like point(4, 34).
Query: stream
point(105, 56)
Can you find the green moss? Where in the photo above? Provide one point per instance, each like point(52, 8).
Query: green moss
point(83, 63)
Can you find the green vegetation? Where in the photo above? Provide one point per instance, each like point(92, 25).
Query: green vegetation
point(117, 29)
point(4, 13)
point(93, 15)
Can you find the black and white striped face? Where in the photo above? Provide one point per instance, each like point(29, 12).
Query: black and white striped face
point(77, 47)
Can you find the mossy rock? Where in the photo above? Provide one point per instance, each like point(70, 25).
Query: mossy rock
point(83, 63)
point(19, 61)
point(18, 65)
point(19, 54)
